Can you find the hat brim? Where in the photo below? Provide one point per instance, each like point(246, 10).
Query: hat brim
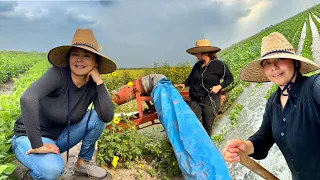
point(58, 57)
point(253, 71)
point(202, 49)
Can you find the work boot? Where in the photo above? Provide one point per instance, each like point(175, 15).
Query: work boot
point(91, 170)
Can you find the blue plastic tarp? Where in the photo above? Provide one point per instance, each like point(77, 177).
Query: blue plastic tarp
point(197, 156)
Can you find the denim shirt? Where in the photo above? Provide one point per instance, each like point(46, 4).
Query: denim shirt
point(294, 128)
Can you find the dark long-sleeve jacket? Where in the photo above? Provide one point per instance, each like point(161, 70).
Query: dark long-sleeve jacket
point(44, 105)
point(207, 76)
point(294, 128)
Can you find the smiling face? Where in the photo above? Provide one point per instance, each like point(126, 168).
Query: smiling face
point(81, 61)
point(278, 71)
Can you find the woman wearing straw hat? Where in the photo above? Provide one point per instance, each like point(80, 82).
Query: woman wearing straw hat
point(292, 114)
point(204, 82)
point(54, 114)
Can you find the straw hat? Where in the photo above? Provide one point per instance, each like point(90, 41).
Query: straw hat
point(203, 45)
point(275, 45)
point(84, 39)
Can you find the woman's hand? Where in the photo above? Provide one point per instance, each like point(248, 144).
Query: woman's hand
point(44, 149)
point(95, 76)
point(230, 152)
point(216, 89)
point(180, 85)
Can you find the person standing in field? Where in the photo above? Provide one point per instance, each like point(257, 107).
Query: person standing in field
point(204, 82)
point(54, 114)
point(292, 115)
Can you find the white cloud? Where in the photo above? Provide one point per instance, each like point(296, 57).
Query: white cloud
point(36, 14)
point(77, 16)
point(257, 9)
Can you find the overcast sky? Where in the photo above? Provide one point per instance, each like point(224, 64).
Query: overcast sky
point(137, 33)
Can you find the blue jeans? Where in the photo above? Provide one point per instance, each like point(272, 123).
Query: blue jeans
point(51, 166)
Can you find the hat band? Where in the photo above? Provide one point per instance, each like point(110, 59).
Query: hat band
point(276, 51)
point(79, 44)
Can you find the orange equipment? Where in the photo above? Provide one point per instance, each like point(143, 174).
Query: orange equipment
point(140, 90)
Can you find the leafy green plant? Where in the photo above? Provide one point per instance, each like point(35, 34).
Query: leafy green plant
point(270, 91)
point(131, 146)
point(116, 80)
point(176, 74)
point(6, 168)
point(119, 141)
point(12, 63)
point(10, 110)
point(164, 157)
point(220, 136)
point(234, 114)
point(232, 96)
point(245, 84)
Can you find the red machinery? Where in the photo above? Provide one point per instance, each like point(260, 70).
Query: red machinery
point(139, 91)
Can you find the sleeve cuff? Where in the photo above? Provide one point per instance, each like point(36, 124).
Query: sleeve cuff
point(258, 151)
point(36, 143)
point(101, 88)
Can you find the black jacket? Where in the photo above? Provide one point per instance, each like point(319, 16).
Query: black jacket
point(212, 73)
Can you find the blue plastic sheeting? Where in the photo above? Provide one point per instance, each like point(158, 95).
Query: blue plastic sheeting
point(197, 156)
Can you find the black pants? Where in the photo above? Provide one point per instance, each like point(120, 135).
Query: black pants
point(206, 110)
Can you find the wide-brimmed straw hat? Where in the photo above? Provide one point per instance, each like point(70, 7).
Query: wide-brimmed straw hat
point(203, 45)
point(84, 39)
point(273, 46)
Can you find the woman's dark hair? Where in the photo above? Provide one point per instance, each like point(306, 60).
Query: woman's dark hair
point(98, 60)
point(68, 57)
point(212, 55)
point(297, 64)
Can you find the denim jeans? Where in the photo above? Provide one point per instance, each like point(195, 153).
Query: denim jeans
point(51, 166)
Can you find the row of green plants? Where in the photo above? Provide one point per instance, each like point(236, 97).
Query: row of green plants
point(10, 110)
point(317, 13)
point(296, 38)
point(306, 50)
point(13, 63)
point(316, 22)
point(218, 137)
point(316, 8)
